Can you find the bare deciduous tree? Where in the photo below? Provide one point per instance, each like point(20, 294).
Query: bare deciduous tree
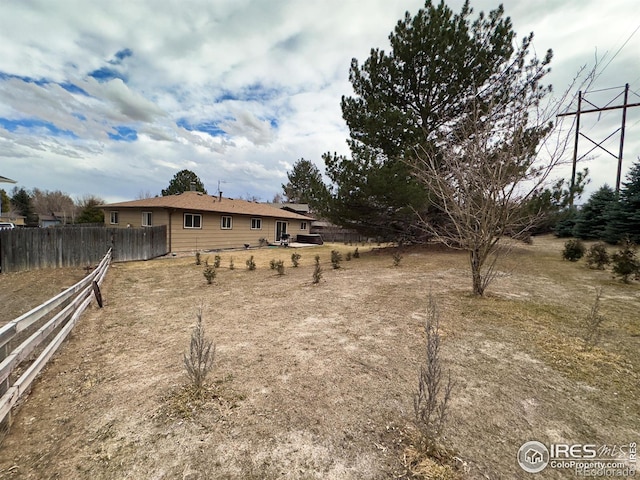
point(47, 202)
point(487, 166)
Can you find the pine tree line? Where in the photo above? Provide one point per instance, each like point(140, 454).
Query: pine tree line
point(607, 215)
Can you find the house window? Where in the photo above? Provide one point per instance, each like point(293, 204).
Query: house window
point(256, 224)
point(114, 218)
point(146, 219)
point(225, 223)
point(192, 220)
point(303, 225)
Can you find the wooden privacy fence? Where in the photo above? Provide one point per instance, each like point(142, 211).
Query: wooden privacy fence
point(71, 303)
point(34, 248)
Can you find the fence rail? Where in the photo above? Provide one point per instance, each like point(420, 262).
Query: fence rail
point(77, 298)
point(34, 248)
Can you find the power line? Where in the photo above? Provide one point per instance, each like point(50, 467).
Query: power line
point(617, 52)
point(604, 89)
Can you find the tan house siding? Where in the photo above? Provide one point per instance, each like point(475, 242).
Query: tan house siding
point(212, 235)
point(133, 217)
point(209, 232)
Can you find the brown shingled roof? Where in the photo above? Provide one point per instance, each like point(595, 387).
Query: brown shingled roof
point(197, 201)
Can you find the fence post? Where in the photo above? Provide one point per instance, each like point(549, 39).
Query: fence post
point(4, 386)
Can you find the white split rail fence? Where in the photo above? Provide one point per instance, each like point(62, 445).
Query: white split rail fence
point(79, 297)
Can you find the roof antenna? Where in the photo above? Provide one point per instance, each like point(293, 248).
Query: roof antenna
point(219, 182)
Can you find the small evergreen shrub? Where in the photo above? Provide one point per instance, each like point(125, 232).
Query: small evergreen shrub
point(397, 258)
point(279, 266)
point(356, 253)
point(263, 242)
point(272, 264)
point(295, 259)
point(347, 257)
point(573, 250)
point(209, 273)
point(431, 401)
point(202, 352)
point(317, 272)
point(336, 258)
point(216, 261)
point(597, 256)
point(198, 258)
point(625, 262)
point(251, 264)
point(592, 324)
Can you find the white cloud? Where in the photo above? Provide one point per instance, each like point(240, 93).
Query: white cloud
point(246, 125)
point(130, 105)
point(236, 90)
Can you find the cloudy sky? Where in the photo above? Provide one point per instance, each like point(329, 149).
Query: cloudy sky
point(113, 98)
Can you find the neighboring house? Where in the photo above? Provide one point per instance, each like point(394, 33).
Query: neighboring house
point(334, 233)
point(54, 219)
point(301, 208)
point(48, 221)
point(196, 221)
point(17, 220)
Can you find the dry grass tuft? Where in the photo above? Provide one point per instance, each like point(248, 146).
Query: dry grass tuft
point(437, 466)
point(186, 402)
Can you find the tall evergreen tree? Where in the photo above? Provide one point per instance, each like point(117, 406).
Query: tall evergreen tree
point(378, 200)
point(305, 185)
point(593, 216)
point(89, 211)
point(6, 201)
point(438, 64)
point(182, 181)
point(551, 205)
point(23, 204)
point(624, 219)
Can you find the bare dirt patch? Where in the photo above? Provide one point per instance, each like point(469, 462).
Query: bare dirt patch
point(316, 381)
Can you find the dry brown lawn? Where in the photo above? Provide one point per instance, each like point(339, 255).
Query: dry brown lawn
point(317, 381)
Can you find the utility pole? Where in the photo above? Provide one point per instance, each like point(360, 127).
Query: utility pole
point(624, 119)
point(625, 105)
point(575, 151)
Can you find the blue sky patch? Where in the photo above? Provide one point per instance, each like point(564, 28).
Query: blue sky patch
point(121, 55)
point(105, 74)
point(71, 88)
point(7, 76)
point(34, 124)
point(211, 128)
point(124, 134)
point(251, 93)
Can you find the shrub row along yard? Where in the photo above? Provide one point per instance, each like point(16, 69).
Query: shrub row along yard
point(316, 380)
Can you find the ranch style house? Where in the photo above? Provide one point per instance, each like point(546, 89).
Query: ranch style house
point(196, 221)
